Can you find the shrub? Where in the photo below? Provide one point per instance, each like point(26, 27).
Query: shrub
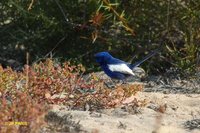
point(26, 95)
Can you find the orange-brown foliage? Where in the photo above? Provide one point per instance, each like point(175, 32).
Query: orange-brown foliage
point(25, 95)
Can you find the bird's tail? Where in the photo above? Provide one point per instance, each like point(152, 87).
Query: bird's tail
point(136, 64)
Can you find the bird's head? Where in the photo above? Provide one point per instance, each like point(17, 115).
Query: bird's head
point(102, 57)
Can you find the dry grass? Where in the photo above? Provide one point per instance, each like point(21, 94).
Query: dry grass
point(25, 96)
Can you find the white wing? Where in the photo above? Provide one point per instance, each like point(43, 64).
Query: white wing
point(122, 68)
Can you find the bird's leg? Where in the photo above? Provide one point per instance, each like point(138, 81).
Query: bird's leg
point(120, 82)
point(110, 84)
point(123, 81)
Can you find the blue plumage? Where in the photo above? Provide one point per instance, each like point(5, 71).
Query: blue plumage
point(116, 68)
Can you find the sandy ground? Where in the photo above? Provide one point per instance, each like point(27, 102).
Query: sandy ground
point(173, 106)
point(180, 108)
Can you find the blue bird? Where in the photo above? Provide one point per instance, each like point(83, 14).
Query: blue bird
point(116, 68)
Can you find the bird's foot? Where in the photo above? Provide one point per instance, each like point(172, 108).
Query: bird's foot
point(110, 85)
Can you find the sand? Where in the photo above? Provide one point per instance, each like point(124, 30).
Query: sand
point(178, 109)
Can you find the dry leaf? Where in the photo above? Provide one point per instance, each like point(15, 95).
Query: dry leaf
point(47, 95)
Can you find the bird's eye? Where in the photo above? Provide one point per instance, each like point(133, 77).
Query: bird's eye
point(98, 59)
